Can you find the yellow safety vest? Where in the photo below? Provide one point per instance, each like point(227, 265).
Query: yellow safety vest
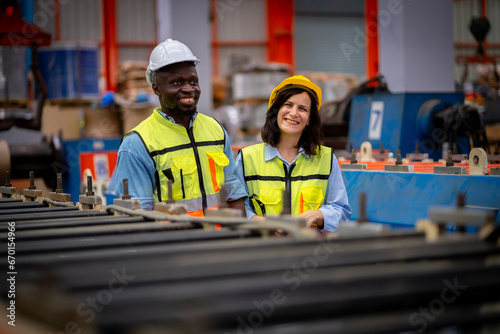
point(192, 158)
point(307, 181)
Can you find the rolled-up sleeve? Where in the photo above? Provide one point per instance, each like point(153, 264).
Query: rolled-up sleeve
point(241, 177)
point(336, 207)
point(234, 187)
point(134, 164)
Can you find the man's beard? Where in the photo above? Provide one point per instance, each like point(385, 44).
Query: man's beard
point(176, 110)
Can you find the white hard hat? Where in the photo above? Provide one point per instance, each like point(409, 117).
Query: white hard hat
point(166, 53)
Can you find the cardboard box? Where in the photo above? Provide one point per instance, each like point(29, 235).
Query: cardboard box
point(62, 119)
point(102, 122)
point(135, 113)
point(493, 132)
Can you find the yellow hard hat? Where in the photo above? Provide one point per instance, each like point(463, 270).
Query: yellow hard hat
point(296, 81)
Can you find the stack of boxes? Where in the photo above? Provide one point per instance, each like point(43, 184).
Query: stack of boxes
point(132, 84)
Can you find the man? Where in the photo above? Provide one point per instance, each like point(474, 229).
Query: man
point(177, 143)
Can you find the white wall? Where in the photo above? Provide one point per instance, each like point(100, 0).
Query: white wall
point(188, 21)
point(416, 45)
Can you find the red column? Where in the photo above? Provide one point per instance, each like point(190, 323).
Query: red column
point(484, 13)
point(57, 20)
point(280, 14)
point(371, 28)
point(215, 39)
point(109, 43)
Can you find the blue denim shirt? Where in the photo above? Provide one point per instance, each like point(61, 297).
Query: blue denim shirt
point(336, 206)
point(135, 164)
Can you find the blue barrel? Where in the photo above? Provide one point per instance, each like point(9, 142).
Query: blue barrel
point(70, 71)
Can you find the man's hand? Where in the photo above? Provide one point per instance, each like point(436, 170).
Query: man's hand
point(313, 217)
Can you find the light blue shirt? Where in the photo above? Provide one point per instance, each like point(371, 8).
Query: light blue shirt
point(336, 205)
point(135, 164)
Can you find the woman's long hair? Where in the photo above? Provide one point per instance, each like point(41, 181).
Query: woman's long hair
point(312, 135)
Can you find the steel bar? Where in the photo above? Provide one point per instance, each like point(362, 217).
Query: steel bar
point(42, 224)
point(21, 205)
point(101, 230)
point(13, 212)
point(62, 213)
point(10, 200)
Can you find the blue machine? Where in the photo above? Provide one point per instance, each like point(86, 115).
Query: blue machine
point(400, 199)
point(400, 121)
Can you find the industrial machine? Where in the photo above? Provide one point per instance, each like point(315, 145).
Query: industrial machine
point(432, 134)
point(433, 122)
point(401, 121)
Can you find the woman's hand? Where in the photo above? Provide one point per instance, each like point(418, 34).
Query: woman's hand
point(313, 217)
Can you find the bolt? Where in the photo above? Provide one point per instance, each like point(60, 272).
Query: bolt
point(398, 158)
point(170, 199)
point(222, 198)
point(416, 149)
point(7, 179)
point(362, 208)
point(125, 189)
point(353, 157)
point(461, 200)
point(59, 188)
point(32, 181)
point(89, 187)
point(382, 150)
point(449, 159)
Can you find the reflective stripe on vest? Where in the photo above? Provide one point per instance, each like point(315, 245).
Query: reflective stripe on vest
point(192, 158)
point(266, 180)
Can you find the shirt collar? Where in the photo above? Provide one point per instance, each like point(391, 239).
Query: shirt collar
point(272, 152)
point(172, 120)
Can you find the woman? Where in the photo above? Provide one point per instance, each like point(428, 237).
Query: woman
point(292, 158)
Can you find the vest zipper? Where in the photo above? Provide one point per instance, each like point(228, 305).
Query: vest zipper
point(288, 186)
point(198, 164)
point(182, 186)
